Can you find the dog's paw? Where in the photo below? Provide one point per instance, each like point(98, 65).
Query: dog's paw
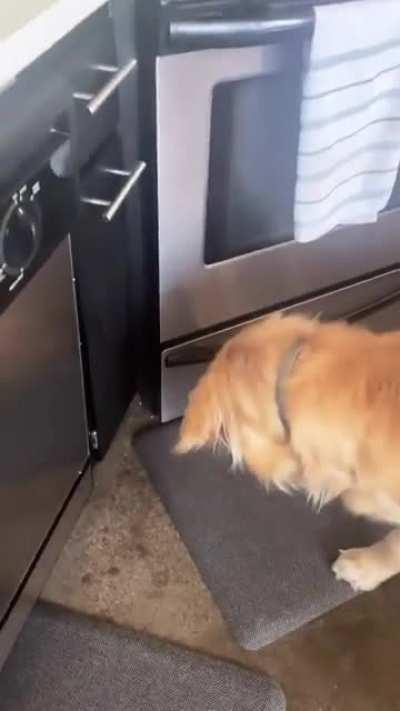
point(361, 568)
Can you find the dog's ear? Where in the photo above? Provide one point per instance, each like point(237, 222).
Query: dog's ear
point(202, 420)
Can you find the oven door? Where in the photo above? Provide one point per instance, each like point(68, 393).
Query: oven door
point(228, 125)
point(373, 302)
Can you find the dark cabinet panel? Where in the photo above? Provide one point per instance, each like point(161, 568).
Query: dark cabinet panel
point(103, 258)
point(108, 252)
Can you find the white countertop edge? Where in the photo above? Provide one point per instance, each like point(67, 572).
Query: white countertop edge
point(19, 50)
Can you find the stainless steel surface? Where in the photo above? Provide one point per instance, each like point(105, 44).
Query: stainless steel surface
point(96, 202)
point(106, 68)
point(376, 302)
point(43, 435)
point(114, 171)
point(45, 561)
point(194, 296)
point(119, 75)
point(82, 96)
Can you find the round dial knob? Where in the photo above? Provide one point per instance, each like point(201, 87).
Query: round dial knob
point(20, 236)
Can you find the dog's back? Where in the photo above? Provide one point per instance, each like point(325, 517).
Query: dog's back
point(342, 402)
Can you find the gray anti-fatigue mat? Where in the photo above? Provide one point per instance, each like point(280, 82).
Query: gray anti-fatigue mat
point(68, 662)
point(265, 557)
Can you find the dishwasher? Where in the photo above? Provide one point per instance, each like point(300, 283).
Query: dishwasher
point(43, 429)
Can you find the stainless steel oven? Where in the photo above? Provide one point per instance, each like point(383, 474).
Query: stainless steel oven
point(228, 79)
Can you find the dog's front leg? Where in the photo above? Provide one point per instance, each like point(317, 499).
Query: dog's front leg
point(366, 568)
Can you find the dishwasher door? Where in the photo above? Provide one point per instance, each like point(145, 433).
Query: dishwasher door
point(43, 432)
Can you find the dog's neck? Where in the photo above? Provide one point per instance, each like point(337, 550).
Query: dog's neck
point(284, 371)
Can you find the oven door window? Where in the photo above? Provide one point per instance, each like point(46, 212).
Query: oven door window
point(252, 163)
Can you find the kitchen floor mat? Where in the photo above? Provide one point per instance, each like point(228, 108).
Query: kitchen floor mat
point(69, 662)
point(265, 557)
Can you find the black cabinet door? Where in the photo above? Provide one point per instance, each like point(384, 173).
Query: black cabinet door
point(102, 259)
point(108, 255)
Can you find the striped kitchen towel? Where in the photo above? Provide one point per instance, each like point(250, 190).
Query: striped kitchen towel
point(349, 147)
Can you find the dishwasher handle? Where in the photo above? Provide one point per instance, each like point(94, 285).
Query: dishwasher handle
point(186, 34)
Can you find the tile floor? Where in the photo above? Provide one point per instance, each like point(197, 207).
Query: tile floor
point(125, 562)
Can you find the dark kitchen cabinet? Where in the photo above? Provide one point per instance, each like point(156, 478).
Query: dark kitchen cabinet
point(107, 253)
point(103, 264)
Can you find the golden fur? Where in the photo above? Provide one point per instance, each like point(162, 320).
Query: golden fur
point(342, 401)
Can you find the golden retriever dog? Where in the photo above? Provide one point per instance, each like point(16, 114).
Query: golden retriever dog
point(311, 406)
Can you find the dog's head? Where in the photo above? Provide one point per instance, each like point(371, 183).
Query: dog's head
point(234, 402)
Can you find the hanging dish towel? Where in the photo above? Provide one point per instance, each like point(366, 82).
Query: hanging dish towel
point(349, 148)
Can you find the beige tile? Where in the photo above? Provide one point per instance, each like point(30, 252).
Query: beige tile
point(16, 14)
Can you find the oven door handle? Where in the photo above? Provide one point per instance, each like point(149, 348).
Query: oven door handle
point(200, 34)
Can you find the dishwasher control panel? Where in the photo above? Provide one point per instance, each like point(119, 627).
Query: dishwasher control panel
point(35, 215)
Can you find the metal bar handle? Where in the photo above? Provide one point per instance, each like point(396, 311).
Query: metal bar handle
point(118, 77)
point(235, 32)
point(124, 192)
point(114, 206)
